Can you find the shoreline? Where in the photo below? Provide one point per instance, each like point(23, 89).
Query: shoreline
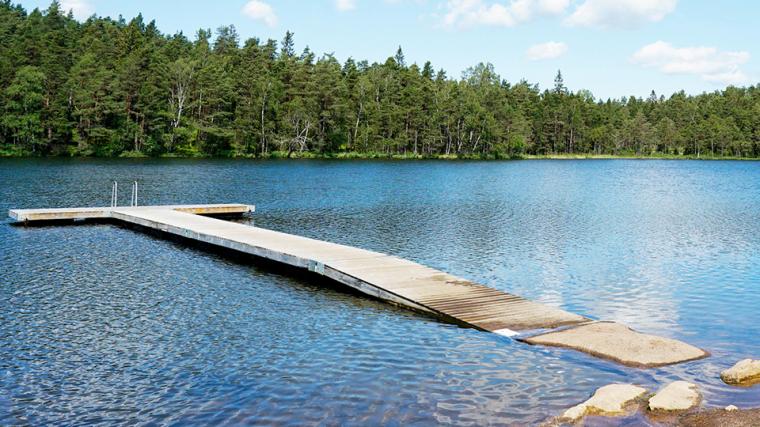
point(701, 417)
point(714, 417)
point(276, 155)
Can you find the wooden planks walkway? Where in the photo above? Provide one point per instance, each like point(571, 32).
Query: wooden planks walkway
point(386, 277)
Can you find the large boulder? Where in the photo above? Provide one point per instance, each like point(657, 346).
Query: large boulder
point(608, 400)
point(745, 372)
point(613, 341)
point(676, 396)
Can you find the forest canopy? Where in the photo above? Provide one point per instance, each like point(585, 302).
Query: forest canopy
point(107, 87)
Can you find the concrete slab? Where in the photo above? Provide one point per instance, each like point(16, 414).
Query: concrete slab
point(58, 214)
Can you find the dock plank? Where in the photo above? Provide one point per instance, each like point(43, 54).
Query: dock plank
point(405, 279)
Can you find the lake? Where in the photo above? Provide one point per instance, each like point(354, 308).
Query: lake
point(101, 324)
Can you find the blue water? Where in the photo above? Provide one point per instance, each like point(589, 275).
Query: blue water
point(104, 325)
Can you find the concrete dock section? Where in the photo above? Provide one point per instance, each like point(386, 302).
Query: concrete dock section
point(395, 280)
point(64, 214)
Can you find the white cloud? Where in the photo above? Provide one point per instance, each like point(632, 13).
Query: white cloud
point(548, 50)
point(735, 77)
point(470, 13)
point(707, 62)
point(344, 5)
point(260, 11)
point(553, 7)
point(81, 9)
point(619, 13)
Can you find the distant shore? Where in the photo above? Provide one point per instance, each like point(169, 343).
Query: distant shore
point(353, 155)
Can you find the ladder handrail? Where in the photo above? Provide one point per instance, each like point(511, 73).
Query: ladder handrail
point(115, 194)
point(134, 194)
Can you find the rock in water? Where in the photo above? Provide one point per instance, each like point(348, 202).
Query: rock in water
point(676, 396)
point(608, 400)
point(745, 372)
point(613, 341)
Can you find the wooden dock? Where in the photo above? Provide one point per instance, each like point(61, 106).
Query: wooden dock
point(393, 279)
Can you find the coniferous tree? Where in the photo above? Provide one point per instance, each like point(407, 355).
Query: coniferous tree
point(24, 99)
point(111, 87)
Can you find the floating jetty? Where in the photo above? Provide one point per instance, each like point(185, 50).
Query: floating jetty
point(392, 279)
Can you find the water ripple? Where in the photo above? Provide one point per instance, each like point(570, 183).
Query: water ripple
point(103, 325)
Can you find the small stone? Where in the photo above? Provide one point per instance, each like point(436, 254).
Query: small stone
point(608, 400)
point(676, 396)
point(731, 408)
point(745, 372)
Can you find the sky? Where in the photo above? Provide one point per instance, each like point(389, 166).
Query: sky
point(613, 48)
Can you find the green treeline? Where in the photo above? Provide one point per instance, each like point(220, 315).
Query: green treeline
point(110, 87)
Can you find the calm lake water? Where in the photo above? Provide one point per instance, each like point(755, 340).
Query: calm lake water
point(101, 324)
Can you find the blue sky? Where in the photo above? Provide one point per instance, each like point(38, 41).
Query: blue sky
point(613, 48)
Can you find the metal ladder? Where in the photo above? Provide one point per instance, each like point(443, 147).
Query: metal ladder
point(115, 195)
